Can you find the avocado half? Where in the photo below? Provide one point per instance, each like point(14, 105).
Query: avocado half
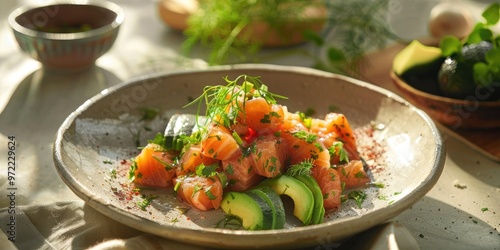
point(416, 56)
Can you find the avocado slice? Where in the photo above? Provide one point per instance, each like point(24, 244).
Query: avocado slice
point(416, 56)
point(319, 209)
point(276, 204)
point(303, 198)
point(255, 213)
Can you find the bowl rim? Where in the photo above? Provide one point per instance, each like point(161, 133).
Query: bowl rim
point(402, 83)
point(118, 20)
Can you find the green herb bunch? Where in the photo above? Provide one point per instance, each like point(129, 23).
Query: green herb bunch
point(485, 72)
point(353, 27)
point(223, 25)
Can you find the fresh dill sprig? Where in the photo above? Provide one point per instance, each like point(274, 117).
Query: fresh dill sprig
point(353, 27)
point(224, 104)
point(225, 25)
point(301, 168)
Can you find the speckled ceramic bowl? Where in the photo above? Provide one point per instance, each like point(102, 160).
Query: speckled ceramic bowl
point(93, 147)
point(67, 36)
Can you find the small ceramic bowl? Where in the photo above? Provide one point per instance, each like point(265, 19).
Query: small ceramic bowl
point(470, 113)
point(67, 36)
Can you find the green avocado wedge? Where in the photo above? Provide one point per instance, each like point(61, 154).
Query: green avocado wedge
point(274, 202)
point(255, 213)
point(319, 209)
point(303, 198)
point(417, 57)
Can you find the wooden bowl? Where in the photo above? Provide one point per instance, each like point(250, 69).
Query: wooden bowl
point(470, 112)
point(175, 14)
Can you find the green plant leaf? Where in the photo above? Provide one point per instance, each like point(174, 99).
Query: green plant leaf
point(450, 45)
point(492, 14)
point(480, 33)
point(481, 74)
point(336, 56)
point(493, 57)
point(314, 37)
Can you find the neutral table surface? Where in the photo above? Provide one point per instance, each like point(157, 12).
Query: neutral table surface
point(33, 104)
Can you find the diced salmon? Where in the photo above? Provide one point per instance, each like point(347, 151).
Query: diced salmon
point(300, 148)
point(261, 116)
point(269, 154)
point(155, 167)
point(220, 143)
point(329, 182)
point(241, 173)
point(338, 124)
point(192, 158)
point(291, 122)
point(203, 193)
point(353, 174)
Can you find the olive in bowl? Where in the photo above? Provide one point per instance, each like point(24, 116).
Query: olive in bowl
point(67, 36)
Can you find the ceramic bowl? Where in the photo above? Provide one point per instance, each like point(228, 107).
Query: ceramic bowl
point(471, 112)
point(67, 36)
point(402, 146)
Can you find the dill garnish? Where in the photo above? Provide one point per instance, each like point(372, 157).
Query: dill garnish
point(301, 168)
point(225, 103)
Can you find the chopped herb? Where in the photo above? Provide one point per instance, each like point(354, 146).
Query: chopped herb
point(167, 165)
point(359, 175)
point(146, 200)
point(113, 173)
point(206, 171)
point(223, 179)
point(358, 197)
point(174, 220)
point(379, 185)
point(237, 138)
point(337, 149)
point(230, 169)
point(306, 120)
point(265, 119)
point(210, 195)
point(397, 193)
point(382, 197)
point(303, 135)
point(196, 189)
point(158, 140)
point(133, 169)
point(484, 209)
point(107, 162)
